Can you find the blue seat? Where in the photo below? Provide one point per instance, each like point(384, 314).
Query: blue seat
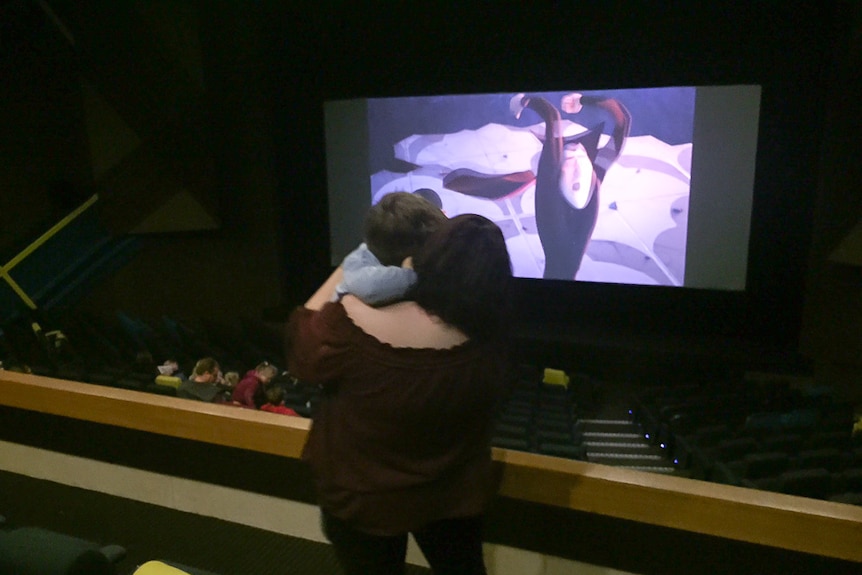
point(37, 551)
point(733, 449)
point(851, 480)
point(510, 430)
point(511, 443)
point(769, 464)
point(565, 450)
point(789, 443)
point(828, 458)
point(814, 483)
point(849, 497)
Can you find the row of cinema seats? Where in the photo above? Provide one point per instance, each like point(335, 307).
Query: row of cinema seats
point(769, 436)
point(121, 351)
point(540, 417)
point(32, 550)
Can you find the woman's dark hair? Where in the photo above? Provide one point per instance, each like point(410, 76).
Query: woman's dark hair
point(464, 276)
point(398, 225)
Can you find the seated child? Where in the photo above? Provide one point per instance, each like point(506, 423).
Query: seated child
point(231, 379)
point(275, 401)
point(249, 392)
point(378, 271)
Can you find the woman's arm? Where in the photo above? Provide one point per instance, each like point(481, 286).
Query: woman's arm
point(315, 338)
point(316, 341)
point(325, 292)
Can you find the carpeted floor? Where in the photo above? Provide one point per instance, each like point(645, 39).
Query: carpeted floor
point(150, 532)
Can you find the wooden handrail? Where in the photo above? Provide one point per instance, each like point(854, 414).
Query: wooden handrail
point(772, 519)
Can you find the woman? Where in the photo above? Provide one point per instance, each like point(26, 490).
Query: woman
point(401, 440)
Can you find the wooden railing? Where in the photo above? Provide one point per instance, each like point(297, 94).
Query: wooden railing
point(772, 519)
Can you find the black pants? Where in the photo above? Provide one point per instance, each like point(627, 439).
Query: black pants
point(451, 546)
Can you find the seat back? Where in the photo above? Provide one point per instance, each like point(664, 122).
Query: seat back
point(37, 551)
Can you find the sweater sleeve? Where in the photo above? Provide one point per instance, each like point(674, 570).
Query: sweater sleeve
point(317, 343)
point(245, 392)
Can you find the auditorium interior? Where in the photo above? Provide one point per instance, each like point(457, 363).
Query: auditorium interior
point(165, 197)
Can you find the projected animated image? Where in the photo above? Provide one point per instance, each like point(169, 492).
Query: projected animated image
point(592, 186)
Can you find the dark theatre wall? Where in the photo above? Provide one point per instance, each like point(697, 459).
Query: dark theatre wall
point(831, 331)
point(222, 105)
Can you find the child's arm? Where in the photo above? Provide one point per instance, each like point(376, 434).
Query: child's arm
point(370, 281)
point(376, 285)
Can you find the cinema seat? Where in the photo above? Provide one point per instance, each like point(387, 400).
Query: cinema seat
point(37, 551)
point(813, 483)
point(789, 443)
point(564, 450)
point(851, 480)
point(510, 431)
point(511, 443)
point(768, 464)
point(734, 449)
point(827, 458)
point(850, 498)
point(559, 437)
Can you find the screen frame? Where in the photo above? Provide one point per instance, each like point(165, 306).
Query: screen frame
point(787, 51)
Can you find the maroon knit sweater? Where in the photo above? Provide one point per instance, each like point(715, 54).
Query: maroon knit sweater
point(402, 435)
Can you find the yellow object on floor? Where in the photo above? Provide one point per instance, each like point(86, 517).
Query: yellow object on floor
point(158, 568)
point(168, 381)
point(556, 377)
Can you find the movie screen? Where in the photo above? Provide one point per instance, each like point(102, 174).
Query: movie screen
point(645, 186)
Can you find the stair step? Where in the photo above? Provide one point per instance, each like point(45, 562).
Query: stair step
point(618, 445)
point(657, 469)
point(607, 421)
point(611, 435)
point(624, 456)
point(612, 429)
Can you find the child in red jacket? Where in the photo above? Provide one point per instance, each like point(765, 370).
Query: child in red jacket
point(275, 401)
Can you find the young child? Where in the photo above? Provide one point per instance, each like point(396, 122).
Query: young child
point(231, 379)
point(249, 392)
point(275, 401)
point(379, 270)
